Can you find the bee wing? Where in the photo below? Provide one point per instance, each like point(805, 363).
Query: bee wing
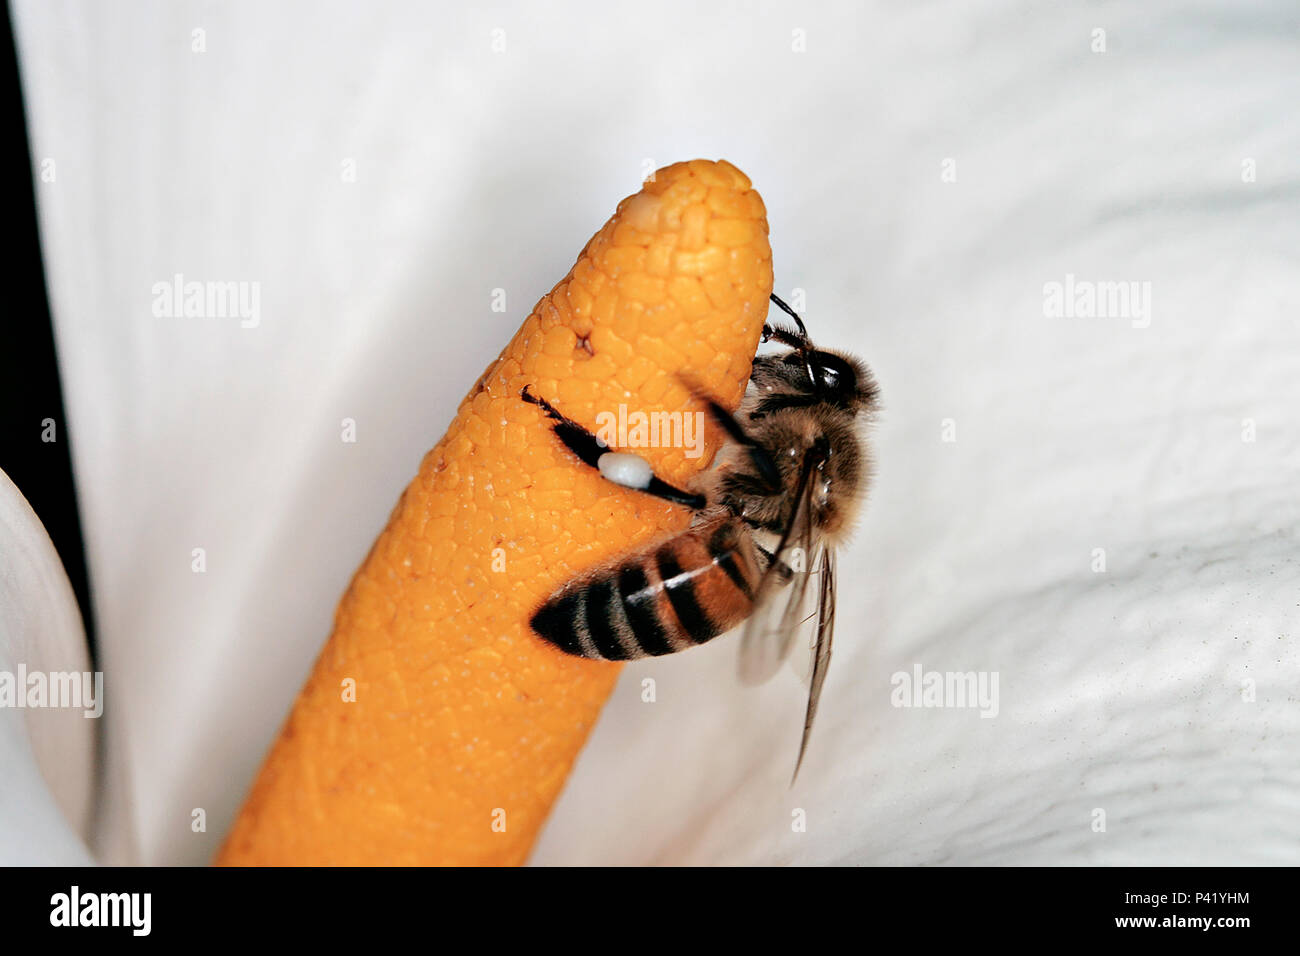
point(821, 655)
point(781, 597)
point(801, 663)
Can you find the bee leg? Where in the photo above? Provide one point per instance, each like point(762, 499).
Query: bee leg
point(798, 340)
point(620, 467)
point(783, 570)
point(763, 461)
point(784, 336)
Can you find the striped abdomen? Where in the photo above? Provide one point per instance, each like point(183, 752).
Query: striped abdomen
point(683, 592)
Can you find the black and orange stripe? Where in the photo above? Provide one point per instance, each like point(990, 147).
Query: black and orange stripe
point(678, 594)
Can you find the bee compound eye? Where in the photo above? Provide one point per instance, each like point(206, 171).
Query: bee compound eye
point(834, 374)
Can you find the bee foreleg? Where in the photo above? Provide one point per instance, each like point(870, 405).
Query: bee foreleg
point(764, 464)
point(784, 336)
point(798, 340)
point(622, 468)
point(783, 570)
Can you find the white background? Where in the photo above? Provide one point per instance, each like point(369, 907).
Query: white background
point(1120, 691)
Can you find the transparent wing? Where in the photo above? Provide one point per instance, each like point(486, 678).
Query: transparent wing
point(781, 600)
point(800, 660)
point(821, 652)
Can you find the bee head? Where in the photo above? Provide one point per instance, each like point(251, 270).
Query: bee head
point(834, 378)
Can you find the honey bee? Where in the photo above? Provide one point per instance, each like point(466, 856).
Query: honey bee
point(768, 514)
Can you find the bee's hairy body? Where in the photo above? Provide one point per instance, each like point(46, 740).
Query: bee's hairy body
point(701, 583)
point(783, 414)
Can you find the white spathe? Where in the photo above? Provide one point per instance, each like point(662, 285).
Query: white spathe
point(393, 175)
point(47, 753)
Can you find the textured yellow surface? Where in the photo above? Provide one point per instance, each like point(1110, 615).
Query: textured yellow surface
point(465, 724)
